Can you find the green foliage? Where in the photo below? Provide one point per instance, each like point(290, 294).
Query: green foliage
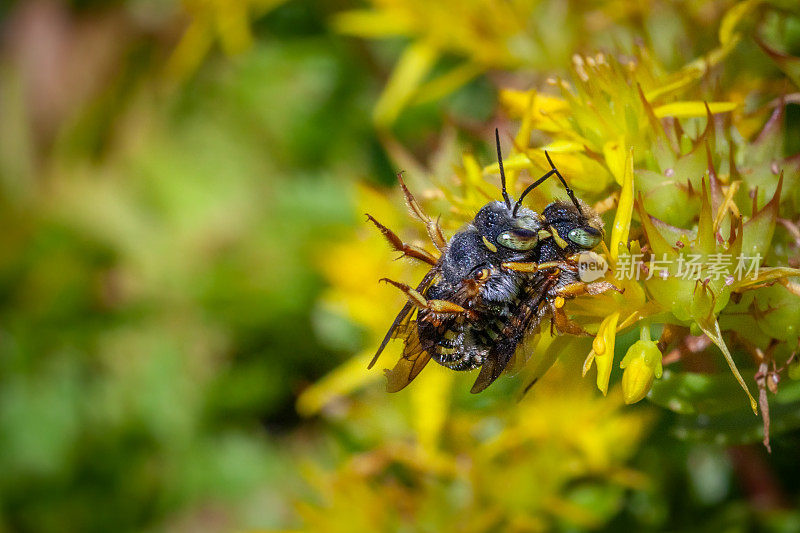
point(182, 257)
point(157, 294)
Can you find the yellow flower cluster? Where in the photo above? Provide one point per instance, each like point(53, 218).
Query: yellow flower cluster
point(484, 35)
point(604, 130)
point(673, 172)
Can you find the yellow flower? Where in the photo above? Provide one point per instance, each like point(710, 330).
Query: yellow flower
point(561, 440)
point(434, 437)
point(664, 171)
point(612, 107)
point(605, 131)
point(485, 35)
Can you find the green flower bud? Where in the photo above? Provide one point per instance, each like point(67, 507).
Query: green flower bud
point(641, 363)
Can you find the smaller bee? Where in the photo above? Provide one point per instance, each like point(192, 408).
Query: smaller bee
point(495, 281)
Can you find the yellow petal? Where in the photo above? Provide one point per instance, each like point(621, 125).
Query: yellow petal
point(732, 19)
point(599, 345)
point(605, 360)
point(343, 380)
point(192, 48)
point(587, 364)
point(474, 179)
point(233, 27)
point(622, 219)
point(637, 379)
point(370, 24)
point(438, 88)
point(694, 70)
point(614, 153)
point(518, 102)
point(690, 109)
point(415, 63)
point(430, 401)
point(766, 274)
point(642, 363)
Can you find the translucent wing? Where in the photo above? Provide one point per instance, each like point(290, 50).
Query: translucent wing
point(399, 326)
point(495, 363)
point(411, 363)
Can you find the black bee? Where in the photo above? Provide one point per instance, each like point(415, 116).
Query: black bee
point(495, 281)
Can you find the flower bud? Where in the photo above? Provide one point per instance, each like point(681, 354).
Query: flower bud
point(641, 363)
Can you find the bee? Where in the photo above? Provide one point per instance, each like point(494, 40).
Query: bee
point(494, 283)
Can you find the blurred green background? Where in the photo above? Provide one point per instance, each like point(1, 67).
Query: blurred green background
point(164, 203)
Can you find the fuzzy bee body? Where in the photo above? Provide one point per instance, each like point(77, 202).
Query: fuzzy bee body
point(462, 344)
point(472, 276)
point(496, 280)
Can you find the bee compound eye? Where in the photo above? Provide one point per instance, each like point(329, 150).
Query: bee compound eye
point(585, 238)
point(518, 239)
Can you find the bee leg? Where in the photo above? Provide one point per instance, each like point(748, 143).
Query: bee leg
point(599, 287)
point(521, 267)
point(593, 288)
point(397, 244)
point(471, 287)
point(562, 323)
point(534, 267)
point(432, 226)
point(434, 306)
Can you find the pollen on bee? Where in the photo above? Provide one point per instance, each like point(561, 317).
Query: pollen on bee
point(492, 248)
point(559, 302)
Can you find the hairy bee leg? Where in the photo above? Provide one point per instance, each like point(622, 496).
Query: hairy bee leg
point(432, 226)
point(600, 287)
point(471, 287)
point(562, 322)
point(408, 250)
point(418, 300)
point(592, 289)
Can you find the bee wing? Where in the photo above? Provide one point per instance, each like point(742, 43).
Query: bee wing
point(399, 326)
point(411, 363)
point(400, 320)
point(525, 348)
point(501, 353)
point(494, 364)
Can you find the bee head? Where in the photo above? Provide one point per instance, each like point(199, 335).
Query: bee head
point(576, 227)
point(515, 227)
point(500, 226)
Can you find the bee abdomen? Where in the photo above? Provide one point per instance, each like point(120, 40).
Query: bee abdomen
point(455, 350)
point(447, 343)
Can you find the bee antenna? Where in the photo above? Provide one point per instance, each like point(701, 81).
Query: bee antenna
point(569, 191)
point(502, 172)
point(552, 172)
